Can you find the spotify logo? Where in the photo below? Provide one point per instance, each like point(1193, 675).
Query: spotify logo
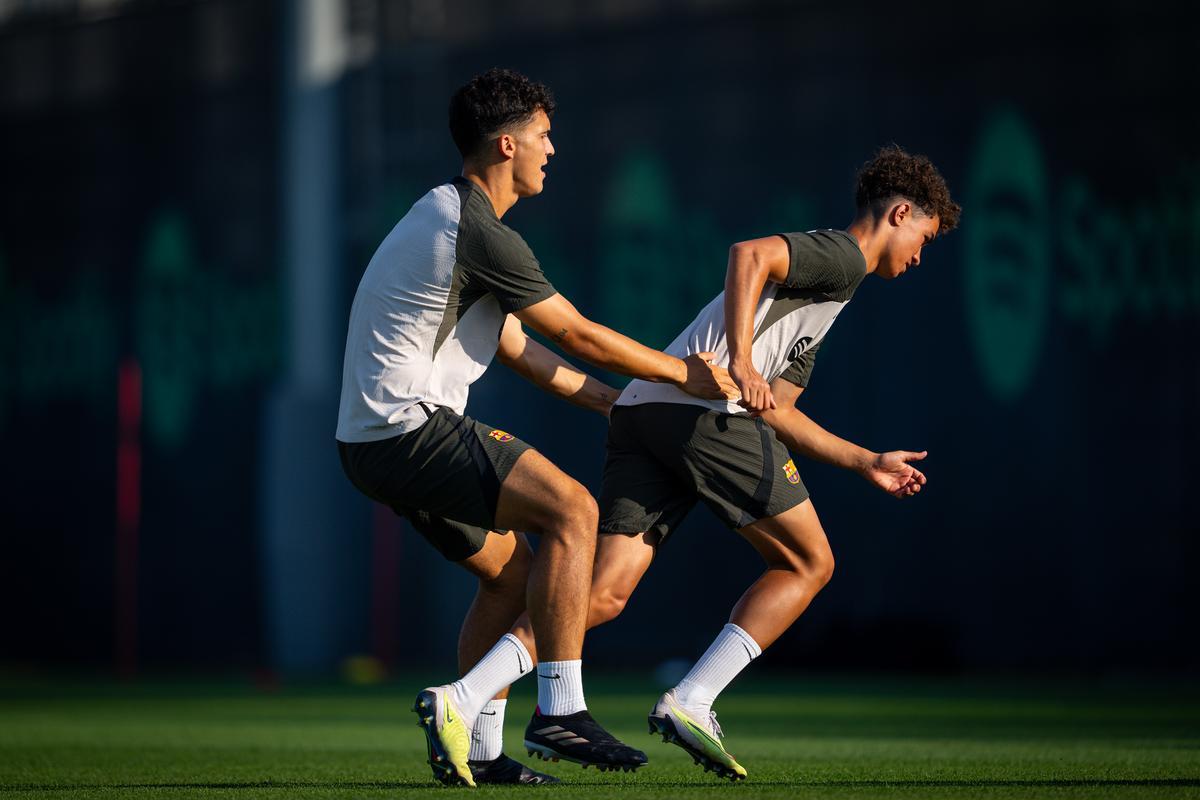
point(1008, 247)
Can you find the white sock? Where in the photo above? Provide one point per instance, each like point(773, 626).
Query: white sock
point(487, 737)
point(560, 688)
point(730, 653)
point(507, 661)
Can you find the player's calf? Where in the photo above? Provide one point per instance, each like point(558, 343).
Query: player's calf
point(605, 605)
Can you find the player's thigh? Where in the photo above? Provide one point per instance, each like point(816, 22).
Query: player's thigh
point(640, 491)
point(450, 468)
point(539, 497)
point(741, 471)
point(792, 540)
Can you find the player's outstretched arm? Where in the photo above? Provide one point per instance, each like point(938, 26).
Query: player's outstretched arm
point(751, 265)
point(549, 371)
point(560, 322)
point(890, 471)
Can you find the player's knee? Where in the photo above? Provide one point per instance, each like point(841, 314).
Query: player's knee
point(823, 568)
point(818, 566)
point(576, 514)
point(587, 511)
point(813, 567)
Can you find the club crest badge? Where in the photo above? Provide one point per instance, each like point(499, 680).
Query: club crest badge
point(789, 469)
point(501, 436)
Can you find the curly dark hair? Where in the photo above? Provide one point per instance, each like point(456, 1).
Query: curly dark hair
point(893, 172)
point(492, 102)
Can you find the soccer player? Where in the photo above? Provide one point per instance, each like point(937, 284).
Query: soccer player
point(666, 450)
point(446, 291)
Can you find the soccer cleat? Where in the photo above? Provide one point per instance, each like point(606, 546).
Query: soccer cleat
point(701, 741)
point(505, 770)
point(579, 738)
point(446, 736)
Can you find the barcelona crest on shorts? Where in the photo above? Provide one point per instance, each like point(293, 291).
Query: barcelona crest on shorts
point(789, 469)
point(501, 436)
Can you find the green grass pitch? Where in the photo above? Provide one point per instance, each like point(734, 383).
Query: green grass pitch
point(799, 738)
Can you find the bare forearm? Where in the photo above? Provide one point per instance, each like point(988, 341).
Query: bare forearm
point(580, 388)
point(801, 435)
point(548, 371)
point(607, 349)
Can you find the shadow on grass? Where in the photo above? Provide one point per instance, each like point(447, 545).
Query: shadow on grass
point(388, 785)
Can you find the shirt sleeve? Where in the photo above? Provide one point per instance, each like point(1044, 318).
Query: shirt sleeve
point(800, 371)
point(510, 271)
point(820, 264)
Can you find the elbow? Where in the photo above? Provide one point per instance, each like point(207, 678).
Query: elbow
point(746, 263)
point(741, 254)
point(739, 250)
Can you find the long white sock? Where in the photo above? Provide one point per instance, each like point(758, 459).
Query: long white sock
point(507, 661)
point(487, 737)
point(730, 653)
point(560, 688)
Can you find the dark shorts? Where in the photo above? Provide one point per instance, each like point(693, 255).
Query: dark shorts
point(663, 457)
point(445, 477)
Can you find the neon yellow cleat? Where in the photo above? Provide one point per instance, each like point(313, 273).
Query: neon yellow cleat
point(701, 740)
point(447, 736)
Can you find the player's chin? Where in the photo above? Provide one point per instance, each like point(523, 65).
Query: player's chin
point(531, 189)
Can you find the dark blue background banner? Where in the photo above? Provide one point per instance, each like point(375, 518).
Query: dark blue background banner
point(1043, 353)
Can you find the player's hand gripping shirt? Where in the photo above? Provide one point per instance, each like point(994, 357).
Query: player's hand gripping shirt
point(427, 315)
point(789, 323)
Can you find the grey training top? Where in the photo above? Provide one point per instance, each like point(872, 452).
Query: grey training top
point(790, 321)
point(428, 312)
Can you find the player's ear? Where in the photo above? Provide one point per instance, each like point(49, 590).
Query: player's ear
point(506, 147)
point(900, 212)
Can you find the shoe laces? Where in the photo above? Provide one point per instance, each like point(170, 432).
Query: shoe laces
point(714, 725)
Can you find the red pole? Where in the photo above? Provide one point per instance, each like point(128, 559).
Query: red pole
point(129, 506)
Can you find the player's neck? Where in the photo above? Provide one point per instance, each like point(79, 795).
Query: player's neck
point(870, 237)
point(496, 182)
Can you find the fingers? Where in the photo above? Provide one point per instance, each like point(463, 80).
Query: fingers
point(708, 381)
point(725, 383)
point(906, 485)
point(758, 397)
point(755, 390)
point(910, 456)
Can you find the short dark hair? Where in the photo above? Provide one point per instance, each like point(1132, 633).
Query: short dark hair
point(490, 103)
point(893, 172)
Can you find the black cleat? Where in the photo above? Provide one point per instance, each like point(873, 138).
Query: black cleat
point(505, 770)
point(579, 738)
